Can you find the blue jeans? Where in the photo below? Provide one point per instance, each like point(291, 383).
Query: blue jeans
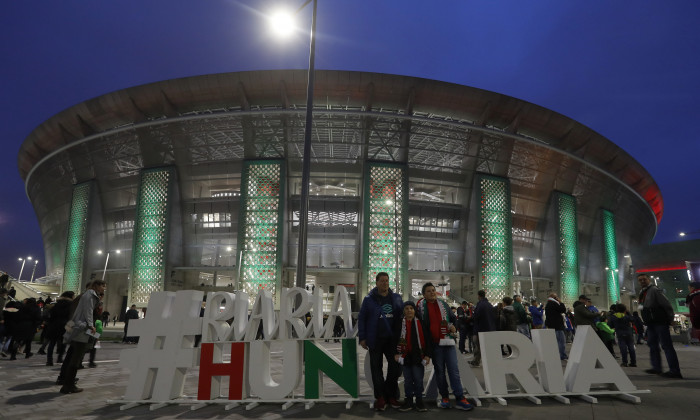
point(561, 341)
point(660, 334)
point(445, 358)
point(413, 380)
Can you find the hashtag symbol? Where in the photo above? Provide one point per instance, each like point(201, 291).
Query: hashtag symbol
point(166, 346)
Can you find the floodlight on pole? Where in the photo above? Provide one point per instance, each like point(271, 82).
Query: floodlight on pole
point(306, 158)
point(24, 260)
point(31, 280)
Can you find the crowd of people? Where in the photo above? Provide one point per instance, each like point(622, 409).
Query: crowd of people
point(407, 335)
point(70, 325)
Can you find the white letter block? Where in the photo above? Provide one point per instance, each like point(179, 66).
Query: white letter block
point(316, 324)
point(341, 307)
point(591, 363)
point(263, 311)
point(295, 318)
point(166, 346)
point(215, 326)
point(261, 382)
point(518, 364)
point(548, 363)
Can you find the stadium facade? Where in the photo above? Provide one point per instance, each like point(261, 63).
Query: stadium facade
point(195, 183)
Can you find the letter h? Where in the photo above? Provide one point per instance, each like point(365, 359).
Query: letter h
point(210, 372)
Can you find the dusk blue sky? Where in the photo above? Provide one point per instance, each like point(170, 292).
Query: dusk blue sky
point(629, 70)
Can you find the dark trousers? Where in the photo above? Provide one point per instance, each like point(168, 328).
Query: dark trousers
point(72, 362)
point(626, 343)
point(60, 348)
point(660, 335)
point(462, 339)
point(387, 388)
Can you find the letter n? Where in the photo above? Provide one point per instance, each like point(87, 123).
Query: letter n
point(317, 361)
point(210, 372)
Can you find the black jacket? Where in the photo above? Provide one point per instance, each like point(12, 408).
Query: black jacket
point(553, 311)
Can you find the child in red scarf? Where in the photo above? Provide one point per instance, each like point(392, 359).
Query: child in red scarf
point(413, 353)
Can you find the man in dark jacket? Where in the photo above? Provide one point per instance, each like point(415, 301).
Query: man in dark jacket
point(583, 315)
point(58, 317)
point(484, 320)
point(657, 314)
point(553, 311)
point(379, 317)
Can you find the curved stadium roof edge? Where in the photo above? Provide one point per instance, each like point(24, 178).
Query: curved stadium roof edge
point(366, 92)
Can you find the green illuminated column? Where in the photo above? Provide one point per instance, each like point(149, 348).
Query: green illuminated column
point(151, 227)
point(260, 226)
point(568, 247)
point(317, 361)
point(610, 257)
point(495, 236)
point(386, 226)
point(77, 233)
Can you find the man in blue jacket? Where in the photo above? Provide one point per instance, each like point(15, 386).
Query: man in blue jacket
point(377, 323)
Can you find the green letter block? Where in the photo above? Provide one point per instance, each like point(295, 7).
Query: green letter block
point(318, 361)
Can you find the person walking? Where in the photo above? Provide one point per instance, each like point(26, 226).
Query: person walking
point(379, 317)
point(657, 314)
point(79, 333)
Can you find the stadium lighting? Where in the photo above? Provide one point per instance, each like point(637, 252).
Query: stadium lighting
point(306, 162)
point(282, 23)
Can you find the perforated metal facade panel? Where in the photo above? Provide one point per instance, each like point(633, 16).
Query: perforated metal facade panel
point(150, 235)
point(568, 248)
point(496, 254)
point(260, 234)
point(75, 242)
point(386, 224)
point(612, 277)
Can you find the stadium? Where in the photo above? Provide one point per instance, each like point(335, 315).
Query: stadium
point(195, 183)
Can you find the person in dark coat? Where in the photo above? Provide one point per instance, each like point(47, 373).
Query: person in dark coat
point(554, 319)
point(379, 316)
point(621, 321)
point(483, 320)
point(132, 313)
point(639, 326)
point(58, 316)
point(27, 321)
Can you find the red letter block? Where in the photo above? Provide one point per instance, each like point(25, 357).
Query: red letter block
point(212, 372)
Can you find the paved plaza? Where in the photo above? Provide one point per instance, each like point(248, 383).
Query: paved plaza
point(29, 392)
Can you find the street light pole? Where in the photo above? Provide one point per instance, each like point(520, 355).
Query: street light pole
point(31, 280)
point(306, 159)
point(24, 260)
point(532, 280)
